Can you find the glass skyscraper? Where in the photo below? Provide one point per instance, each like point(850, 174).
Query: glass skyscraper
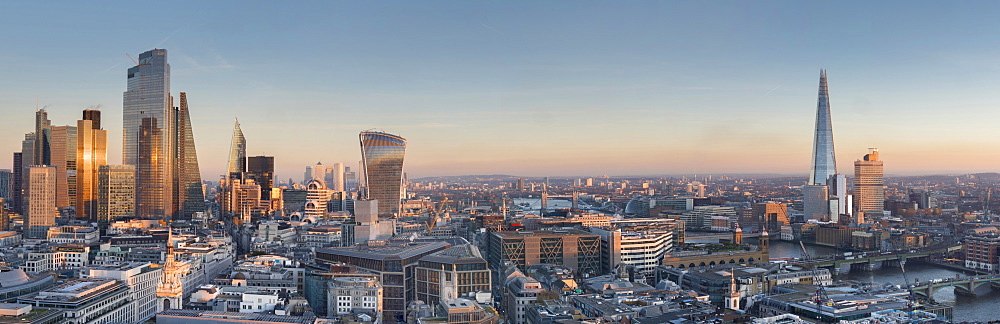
point(382, 155)
point(148, 121)
point(824, 161)
point(237, 152)
point(189, 197)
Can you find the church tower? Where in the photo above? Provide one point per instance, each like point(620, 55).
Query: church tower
point(169, 293)
point(738, 235)
point(733, 299)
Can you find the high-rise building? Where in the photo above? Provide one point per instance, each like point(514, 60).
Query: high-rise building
point(40, 201)
point(43, 135)
point(824, 160)
point(148, 187)
point(16, 181)
point(261, 170)
point(148, 123)
point(338, 177)
point(115, 192)
point(5, 184)
point(91, 154)
point(771, 215)
point(815, 200)
point(62, 154)
point(382, 155)
point(188, 196)
point(869, 186)
point(237, 151)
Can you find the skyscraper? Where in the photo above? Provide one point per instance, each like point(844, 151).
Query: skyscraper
point(188, 196)
point(149, 202)
point(16, 179)
point(816, 194)
point(148, 124)
point(824, 160)
point(237, 151)
point(63, 157)
point(115, 192)
point(5, 184)
point(338, 177)
point(40, 204)
point(261, 170)
point(91, 154)
point(43, 128)
point(869, 190)
point(382, 155)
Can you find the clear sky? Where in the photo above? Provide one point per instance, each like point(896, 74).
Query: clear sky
point(531, 88)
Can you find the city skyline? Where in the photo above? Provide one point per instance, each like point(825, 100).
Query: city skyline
point(541, 93)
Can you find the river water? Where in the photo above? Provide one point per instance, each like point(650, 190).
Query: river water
point(983, 308)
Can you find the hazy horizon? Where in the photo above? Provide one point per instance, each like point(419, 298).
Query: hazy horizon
point(534, 89)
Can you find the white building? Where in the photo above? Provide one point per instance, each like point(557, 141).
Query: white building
point(70, 256)
point(89, 300)
point(73, 234)
point(41, 201)
point(347, 295)
point(258, 301)
point(643, 250)
point(272, 231)
point(141, 278)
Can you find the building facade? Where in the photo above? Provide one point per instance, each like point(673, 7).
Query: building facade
point(869, 187)
point(382, 155)
point(148, 121)
point(115, 192)
point(91, 154)
point(575, 249)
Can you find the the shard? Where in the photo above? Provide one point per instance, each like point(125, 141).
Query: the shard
point(824, 161)
point(189, 197)
point(237, 152)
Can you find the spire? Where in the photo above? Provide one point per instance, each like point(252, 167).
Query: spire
point(824, 161)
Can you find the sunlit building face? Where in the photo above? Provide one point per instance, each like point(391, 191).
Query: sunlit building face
point(382, 155)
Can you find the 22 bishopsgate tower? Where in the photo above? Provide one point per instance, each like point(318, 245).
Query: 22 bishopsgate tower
point(155, 134)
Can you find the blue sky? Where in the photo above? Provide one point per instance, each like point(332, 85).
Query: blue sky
point(526, 88)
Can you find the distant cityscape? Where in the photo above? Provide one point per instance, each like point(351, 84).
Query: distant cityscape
point(358, 242)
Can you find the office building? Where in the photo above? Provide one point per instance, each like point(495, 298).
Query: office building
point(141, 279)
point(89, 300)
point(869, 187)
point(393, 262)
point(91, 154)
point(115, 192)
point(189, 197)
point(461, 311)
point(261, 170)
point(16, 184)
point(824, 161)
point(317, 196)
point(62, 153)
point(574, 249)
point(347, 295)
point(382, 155)
point(641, 250)
point(771, 215)
point(6, 184)
point(237, 152)
point(452, 273)
point(519, 292)
point(41, 201)
point(983, 251)
point(338, 183)
point(815, 193)
point(317, 171)
point(148, 121)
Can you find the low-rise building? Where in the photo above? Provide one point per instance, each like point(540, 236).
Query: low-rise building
point(981, 251)
point(141, 279)
point(355, 295)
point(88, 300)
point(73, 234)
point(461, 311)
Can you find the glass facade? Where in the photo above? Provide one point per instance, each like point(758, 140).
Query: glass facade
point(824, 161)
point(237, 151)
point(189, 197)
point(147, 117)
point(382, 155)
point(91, 154)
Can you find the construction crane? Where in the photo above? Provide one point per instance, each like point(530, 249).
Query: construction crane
point(912, 303)
point(820, 297)
point(435, 211)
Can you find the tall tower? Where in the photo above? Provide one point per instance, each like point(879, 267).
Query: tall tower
point(188, 196)
point(338, 177)
point(148, 117)
point(237, 151)
point(869, 186)
point(115, 192)
point(62, 155)
point(40, 201)
point(382, 156)
point(261, 170)
point(91, 154)
point(824, 160)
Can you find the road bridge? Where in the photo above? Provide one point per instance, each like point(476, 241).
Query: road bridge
point(873, 260)
point(963, 285)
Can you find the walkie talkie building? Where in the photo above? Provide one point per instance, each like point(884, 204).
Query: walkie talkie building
point(382, 155)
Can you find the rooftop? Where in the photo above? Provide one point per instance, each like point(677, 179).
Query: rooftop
point(392, 250)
